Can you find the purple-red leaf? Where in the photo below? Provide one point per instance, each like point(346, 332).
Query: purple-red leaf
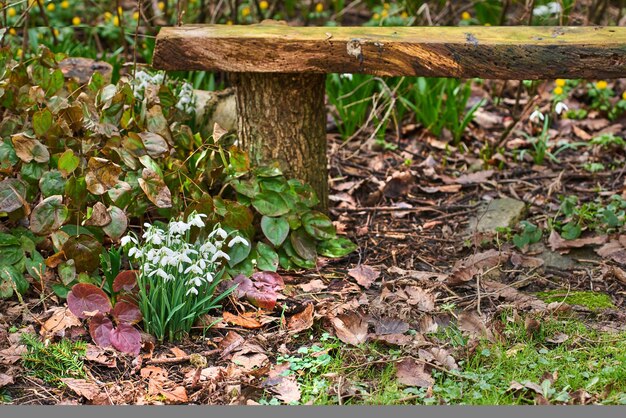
point(126, 339)
point(100, 328)
point(261, 289)
point(126, 313)
point(86, 297)
point(125, 280)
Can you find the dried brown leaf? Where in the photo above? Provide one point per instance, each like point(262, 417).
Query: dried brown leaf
point(351, 328)
point(364, 275)
point(82, 387)
point(302, 320)
point(245, 320)
point(314, 286)
point(410, 372)
point(559, 244)
point(466, 269)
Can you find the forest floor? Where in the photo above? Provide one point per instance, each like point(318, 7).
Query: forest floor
point(437, 306)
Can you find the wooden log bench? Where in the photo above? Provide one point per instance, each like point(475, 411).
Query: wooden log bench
point(279, 71)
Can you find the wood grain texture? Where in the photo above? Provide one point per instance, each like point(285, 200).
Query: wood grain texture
point(513, 52)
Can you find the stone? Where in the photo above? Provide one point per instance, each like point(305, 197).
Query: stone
point(499, 213)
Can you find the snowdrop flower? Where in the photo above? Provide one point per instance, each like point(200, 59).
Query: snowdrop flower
point(128, 239)
point(536, 115)
point(560, 108)
point(192, 290)
point(238, 240)
point(347, 75)
point(196, 220)
point(219, 232)
point(135, 252)
point(219, 254)
point(179, 228)
point(551, 8)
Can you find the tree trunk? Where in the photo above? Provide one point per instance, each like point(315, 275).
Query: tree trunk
point(281, 117)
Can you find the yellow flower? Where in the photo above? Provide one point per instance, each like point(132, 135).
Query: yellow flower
point(386, 6)
point(263, 5)
point(487, 24)
point(161, 6)
point(65, 4)
point(245, 11)
point(116, 21)
point(558, 90)
point(11, 12)
point(136, 16)
point(466, 16)
point(375, 16)
point(601, 85)
point(56, 32)
point(107, 16)
point(624, 95)
point(384, 13)
point(319, 7)
point(12, 32)
point(404, 15)
point(51, 7)
point(229, 22)
point(76, 21)
point(19, 52)
point(559, 82)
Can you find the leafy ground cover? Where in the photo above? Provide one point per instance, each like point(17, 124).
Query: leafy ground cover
point(420, 286)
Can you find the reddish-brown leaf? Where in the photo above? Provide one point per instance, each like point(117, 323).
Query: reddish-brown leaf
point(364, 275)
point(86, 297)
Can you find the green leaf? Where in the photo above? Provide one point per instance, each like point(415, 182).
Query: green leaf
point(337, 247)
point(85, 250)
point(119, 222)
point(571, 230)
point(67, 272)
point(9, 275)
point(48, 215)
point(8, 158)
point(12, 194)
point(36, 266)
point(318, 225)
point(275, 229)
point(270, 203)
point(303, 244)
point(68, 162)
point(267, 258)
point(42, 121)
point(52, 182)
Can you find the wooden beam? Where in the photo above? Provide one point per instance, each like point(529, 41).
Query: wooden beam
point(513, 52)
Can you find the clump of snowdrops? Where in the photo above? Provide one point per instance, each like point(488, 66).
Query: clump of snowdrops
point(177, 278)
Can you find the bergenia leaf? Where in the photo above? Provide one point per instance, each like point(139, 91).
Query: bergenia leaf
point(86, 297)
point(126, 313)
point(126, 339)
point(100, 328)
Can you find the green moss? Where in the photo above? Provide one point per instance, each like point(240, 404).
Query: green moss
point(592, 300)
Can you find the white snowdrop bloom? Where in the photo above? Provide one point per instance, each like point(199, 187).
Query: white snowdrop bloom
point(192, 290)
point(202, 264)
point(238, 240)
point(207, 248)
point(209, 277)
point(346, 75)
point(219, 232)
point(219, 254)
point(560, 108)
point(128, 239)
point(197, 281)
point(135, 252)
point(536, 115)
point(178, 228)
point(161, 273)
point(194, 268)
point(196, 220)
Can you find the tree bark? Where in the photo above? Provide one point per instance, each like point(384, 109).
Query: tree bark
point(281, 117)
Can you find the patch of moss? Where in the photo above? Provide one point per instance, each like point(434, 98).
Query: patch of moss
point(592, 300)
